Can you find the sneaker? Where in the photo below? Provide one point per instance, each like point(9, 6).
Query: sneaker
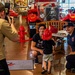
point(44, 71)
point(43, 68)
point(36, 60)
point(49, 72)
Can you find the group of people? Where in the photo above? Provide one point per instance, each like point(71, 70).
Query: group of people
point(46, 48)
point(38, 45)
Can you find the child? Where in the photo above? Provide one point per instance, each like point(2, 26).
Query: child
point(47, 55)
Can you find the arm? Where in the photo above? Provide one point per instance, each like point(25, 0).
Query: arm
point(8, 32)
point(54, 45)
point(13, 27)
point(53, 49)
point(11, 22)
point(70, 48)
point(33, 44)
point(71, 52)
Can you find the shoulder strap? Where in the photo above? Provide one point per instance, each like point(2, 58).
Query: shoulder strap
point(1, 21)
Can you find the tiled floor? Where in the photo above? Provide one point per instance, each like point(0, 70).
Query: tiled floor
point(15, 51)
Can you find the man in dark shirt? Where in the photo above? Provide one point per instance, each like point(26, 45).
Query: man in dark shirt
point(36, 44)
point(71, 42)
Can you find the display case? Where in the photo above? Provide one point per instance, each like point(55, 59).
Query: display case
point(21, 3)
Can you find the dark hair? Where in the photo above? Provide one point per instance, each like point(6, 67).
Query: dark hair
point(40, 25)
point(2, 7)
point(68, 25)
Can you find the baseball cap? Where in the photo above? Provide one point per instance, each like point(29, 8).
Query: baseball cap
point(68, 25)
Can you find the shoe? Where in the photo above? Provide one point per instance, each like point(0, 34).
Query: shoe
point(49, 72)
point(73, 70)
point(43, 68)
point(36, 60)
point(44, 71)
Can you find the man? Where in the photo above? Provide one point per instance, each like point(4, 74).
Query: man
point(5, 31)
point(36, 44)
point(71, 42)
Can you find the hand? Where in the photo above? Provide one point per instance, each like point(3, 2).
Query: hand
point(71, 53)
point(54, 52)
point(41, 51)
point(10, 19)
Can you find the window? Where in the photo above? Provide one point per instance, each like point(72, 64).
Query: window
point(72, 1)
point(72, 5)
point(67, 5)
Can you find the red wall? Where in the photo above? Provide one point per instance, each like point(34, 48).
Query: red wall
point(46, 0)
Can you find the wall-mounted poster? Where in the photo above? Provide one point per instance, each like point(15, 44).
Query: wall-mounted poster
point(52, 13)
point(21, 3)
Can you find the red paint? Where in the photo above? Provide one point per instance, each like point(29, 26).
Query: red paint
point(53, 29)
point(13, 13)
point(22, 34)
point(11, 64)
point(48, 32)
point(70, 16)
point(32, 17)
point(53, 4)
